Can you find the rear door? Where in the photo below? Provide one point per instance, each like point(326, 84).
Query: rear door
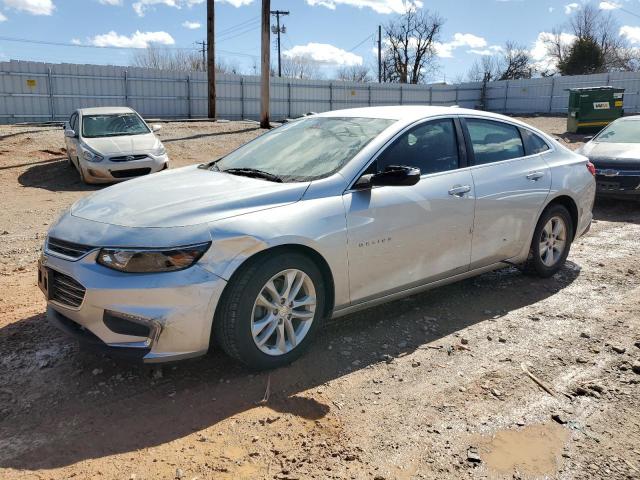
point(399, 237)
point(512, 181)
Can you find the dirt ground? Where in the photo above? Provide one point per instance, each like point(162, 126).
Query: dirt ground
point(429, 387)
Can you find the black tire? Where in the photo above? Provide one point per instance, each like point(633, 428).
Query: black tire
point(232, 322)
point(535, 264)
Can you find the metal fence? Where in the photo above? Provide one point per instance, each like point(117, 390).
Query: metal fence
point(38, 92)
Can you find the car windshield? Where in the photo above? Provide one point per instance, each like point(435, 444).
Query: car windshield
point(306, 149)
point(626, 131)
point(111, 125)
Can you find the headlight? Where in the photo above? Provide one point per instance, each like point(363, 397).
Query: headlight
point(90, 155)
point(159, 150)
point(151, 260)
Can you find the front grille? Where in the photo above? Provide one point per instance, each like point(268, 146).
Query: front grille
point(65, 290)
point(128, 158)
point(618, 183)
point(132, 172)
point(68, 249)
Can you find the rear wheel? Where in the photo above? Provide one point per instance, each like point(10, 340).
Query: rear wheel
point(551, 242)
point(271, 310)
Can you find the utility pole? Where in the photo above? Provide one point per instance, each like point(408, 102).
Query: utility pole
point(379, 53)
point(211, 59)
point(277, 30)
point(266, 62)
point(204, 55)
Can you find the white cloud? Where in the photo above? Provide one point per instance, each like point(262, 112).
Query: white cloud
point(191, 25)
point(379, 6)
point(2, 18)
point(34, 7)
point(609, 6)
point(323, 53)
point(137, 40)
point(571, 7)
point(631, 33)
point(551, 9)
point(491, 50)
point(76, 41)
point(141, 6)
point(540, 54)
point(445, 50)
point(115, 3)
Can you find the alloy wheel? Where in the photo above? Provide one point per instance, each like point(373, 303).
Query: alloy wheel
point(283, 312)
point(553, 241)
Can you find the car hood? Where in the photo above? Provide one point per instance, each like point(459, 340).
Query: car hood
point(612, 153)
point(183, 197)
point(123, 145)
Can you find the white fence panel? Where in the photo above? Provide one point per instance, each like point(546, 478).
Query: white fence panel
point(37, 92)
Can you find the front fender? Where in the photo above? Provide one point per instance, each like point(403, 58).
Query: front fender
point(318, 224)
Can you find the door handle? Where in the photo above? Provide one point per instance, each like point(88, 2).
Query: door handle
point(534, 176)
point(459, 190)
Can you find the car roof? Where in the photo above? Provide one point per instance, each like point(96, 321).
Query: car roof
point(410, 113)
point(105, 110)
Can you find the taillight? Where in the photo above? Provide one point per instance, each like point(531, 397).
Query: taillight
point(591, 167)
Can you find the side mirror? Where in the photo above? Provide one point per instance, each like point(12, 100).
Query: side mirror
point(396, 176)
point(155, 127)
point(69, 132)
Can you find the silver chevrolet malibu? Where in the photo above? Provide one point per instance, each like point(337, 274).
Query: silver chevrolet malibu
point(318, 218)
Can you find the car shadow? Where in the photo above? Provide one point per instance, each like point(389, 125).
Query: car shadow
point(626, 210)
point(208, 135)
point(56, 176)
point(78, 406)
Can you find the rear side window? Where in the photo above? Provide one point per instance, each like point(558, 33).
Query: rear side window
point(494, 141)
point(432, 147)
point(533, 143)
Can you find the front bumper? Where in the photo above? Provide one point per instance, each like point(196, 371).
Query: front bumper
point(178, 307)
point(621, 183)
point(109, 172)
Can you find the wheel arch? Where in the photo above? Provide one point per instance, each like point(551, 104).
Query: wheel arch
point(571, 205)
point(305, 250)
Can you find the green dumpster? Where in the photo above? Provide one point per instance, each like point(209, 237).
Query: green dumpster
point(592, 108)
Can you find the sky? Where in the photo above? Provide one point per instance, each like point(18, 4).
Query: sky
point(331, 33)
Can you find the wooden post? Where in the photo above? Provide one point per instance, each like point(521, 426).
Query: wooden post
point(265, 64)
point(211, 58)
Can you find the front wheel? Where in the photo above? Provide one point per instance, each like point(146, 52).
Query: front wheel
point(271, 310)
point(551, 242)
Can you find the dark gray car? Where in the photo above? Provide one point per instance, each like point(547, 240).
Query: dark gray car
point(615, 152)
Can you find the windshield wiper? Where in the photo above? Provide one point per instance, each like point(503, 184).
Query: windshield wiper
point(254, 172)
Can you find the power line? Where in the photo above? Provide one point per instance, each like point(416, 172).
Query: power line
point(362, 42)
point(255, 20)
point(63, 44)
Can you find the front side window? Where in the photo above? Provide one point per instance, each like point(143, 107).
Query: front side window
point(73, 122)
point(112, 125)
point(432, 147)
point(494, 141)
point(623, 131)
point(306, 149)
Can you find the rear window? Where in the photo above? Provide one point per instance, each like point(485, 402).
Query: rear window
point(533, 143)
point(494, 141)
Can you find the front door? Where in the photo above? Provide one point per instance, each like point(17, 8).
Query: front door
point(400, 237)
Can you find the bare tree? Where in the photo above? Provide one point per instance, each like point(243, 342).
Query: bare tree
point(181, 60)
point(354, 73)
point(411, 39)
point(484, 69)
point(513, 62)
point(300, 67)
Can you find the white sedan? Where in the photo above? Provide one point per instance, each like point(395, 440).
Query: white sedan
point(111, 144)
